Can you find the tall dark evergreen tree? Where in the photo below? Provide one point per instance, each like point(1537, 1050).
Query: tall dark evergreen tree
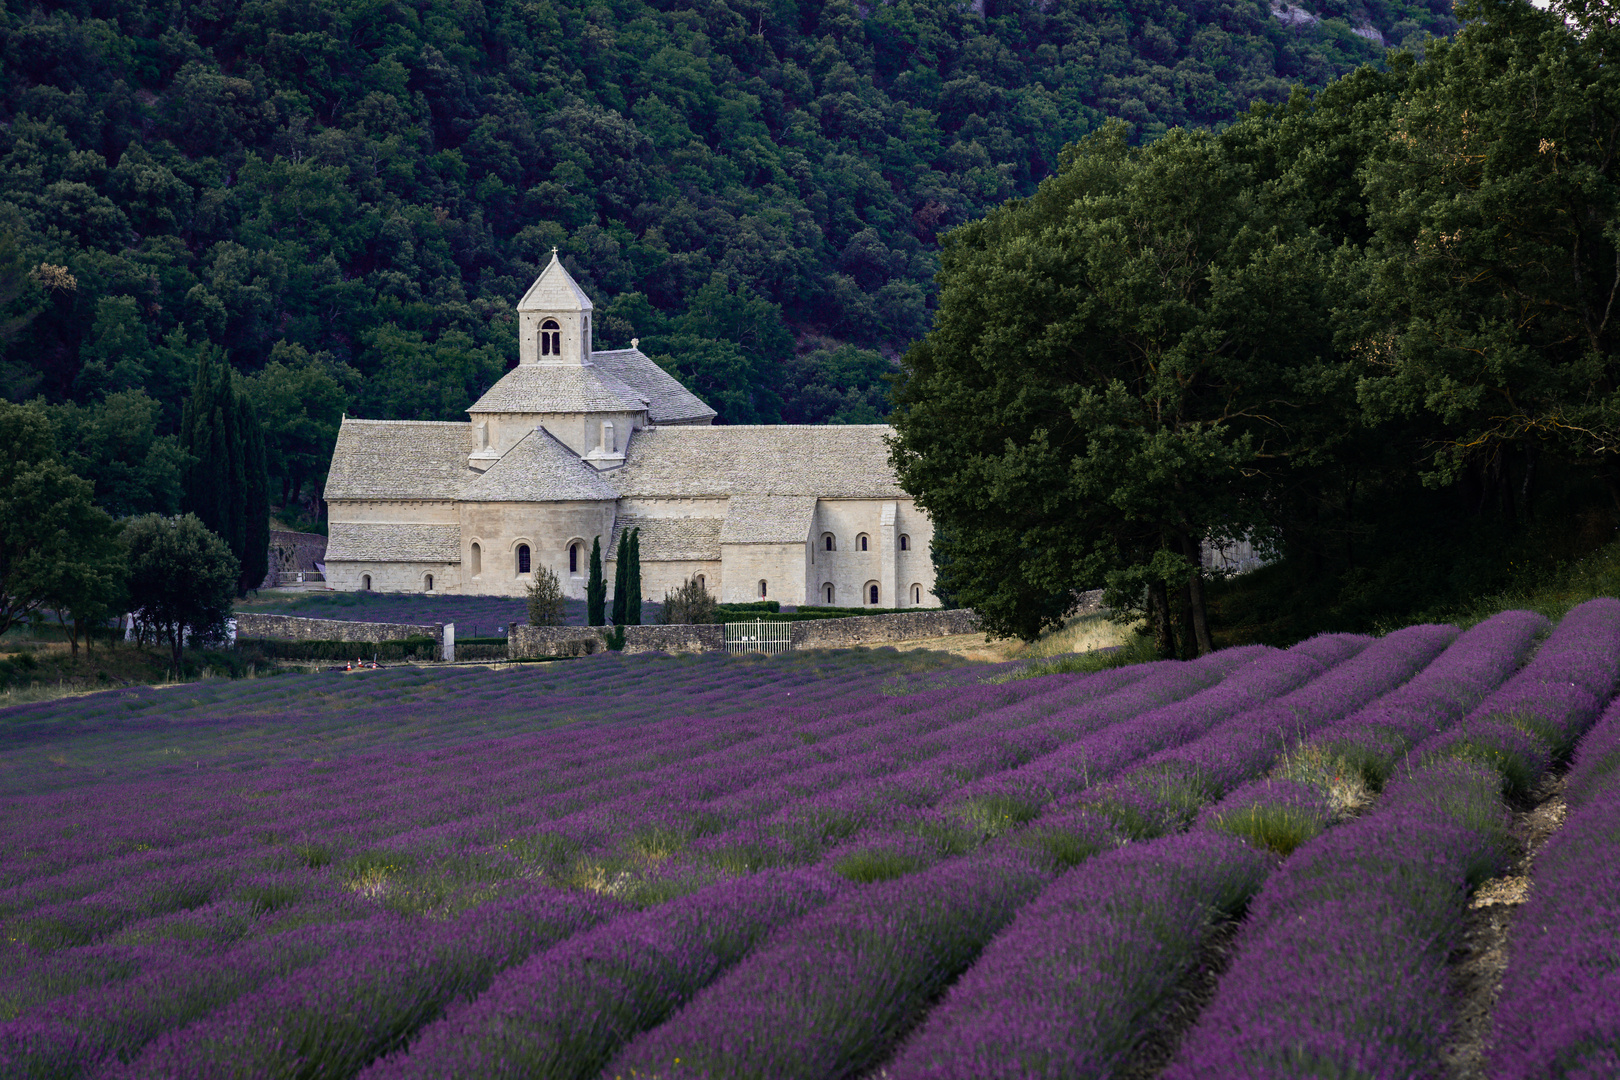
point(621, 580)
point(596, 588)
point(226, 485)
point(632, 600)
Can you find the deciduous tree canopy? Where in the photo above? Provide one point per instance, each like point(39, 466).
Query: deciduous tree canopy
point(1283, 331)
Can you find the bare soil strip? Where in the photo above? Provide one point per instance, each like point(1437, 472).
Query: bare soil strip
point(1481, 958)
point(1153, 1054)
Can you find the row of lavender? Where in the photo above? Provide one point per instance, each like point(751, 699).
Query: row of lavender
point(207, 864)
point(1558, 1013)
point(1127, 924)
point(122, 1025)
point(835, 991)
point(1342, 964)
point(1055, 782)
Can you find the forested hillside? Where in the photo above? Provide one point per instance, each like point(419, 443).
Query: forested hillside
point(348, 196)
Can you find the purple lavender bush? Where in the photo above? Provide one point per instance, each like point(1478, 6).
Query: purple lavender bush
point(564, 1012)
point(1078, 978)
point(1341, 965)
point(335, 1016)
point(1558, 1011)
point(1373, 739)
point(1538, 714)
point(831, 994)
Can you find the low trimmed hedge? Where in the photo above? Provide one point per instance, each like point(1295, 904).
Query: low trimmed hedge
point(482, 648)
point(413, 648)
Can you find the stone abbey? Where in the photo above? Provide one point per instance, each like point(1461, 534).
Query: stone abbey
point(575, 444)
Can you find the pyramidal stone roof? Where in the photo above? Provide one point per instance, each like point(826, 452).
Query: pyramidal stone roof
point(539, 468)
point(768, 519)
point(393, 542)
point(668, 402)
point(399, 459)
point(832, 462)
point(560, 388)
point(555, 290)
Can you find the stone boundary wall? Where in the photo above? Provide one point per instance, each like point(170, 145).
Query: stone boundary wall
point(526, 642)
point(251, 624)
point(878, 629)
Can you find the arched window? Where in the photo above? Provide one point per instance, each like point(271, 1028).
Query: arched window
point(523, 558)
point(573, 558)
point(700, 582)
point(365, 582)
point(860, 542)
point(872, 594)
point(477, 559)
point(427, 583)
point(905, 542)
point(828, 542)
point(916, 594)
point(550, 338)
point(829, 589)
point(762, 589)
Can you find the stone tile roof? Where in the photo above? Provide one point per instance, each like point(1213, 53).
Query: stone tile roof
point(768, 519)
point(539, 468)
point(668, 402)
point(555, 290)
point(560, 388)
point(669, 539)
point(391, 542)
point(399, 459)
point(832, 462)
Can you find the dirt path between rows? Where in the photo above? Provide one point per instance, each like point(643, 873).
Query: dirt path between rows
point(1481, 958)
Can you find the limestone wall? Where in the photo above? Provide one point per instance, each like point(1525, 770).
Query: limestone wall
point(905, 577)
point(251, 624)
point(877, 629)
point(525, 642)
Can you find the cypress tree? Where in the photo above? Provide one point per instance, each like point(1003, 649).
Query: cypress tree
point(256, 522)
point(632, 600)
point(226, 484)
point(596, 588)
point(621, 582)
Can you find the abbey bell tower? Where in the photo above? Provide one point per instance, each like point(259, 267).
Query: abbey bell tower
point(554, 320)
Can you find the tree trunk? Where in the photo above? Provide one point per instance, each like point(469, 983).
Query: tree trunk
point(1527, 492)
point(1195, 594)
point(1189, 636)
point(1164, 636)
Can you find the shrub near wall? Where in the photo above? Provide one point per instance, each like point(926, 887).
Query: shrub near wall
point(482, 648)
point(412, 648)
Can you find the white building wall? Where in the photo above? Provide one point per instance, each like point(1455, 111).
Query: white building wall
point(547, 529)
point(780, 566)
point(851, 571)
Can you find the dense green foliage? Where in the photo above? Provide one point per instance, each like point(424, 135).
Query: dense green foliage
point(1370, 329)
point(414, 648)
point(182, 579)
point(596, 588)
point(691, 604)
point(226, 484)
point(545, 598)
point(346, 199)
point(58, 550)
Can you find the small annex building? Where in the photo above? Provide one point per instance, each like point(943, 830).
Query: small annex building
point(575, 444)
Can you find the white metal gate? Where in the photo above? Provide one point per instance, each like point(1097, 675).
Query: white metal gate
point(765, 637)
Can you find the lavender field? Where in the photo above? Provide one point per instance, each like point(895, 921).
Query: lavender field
point(826, 865)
